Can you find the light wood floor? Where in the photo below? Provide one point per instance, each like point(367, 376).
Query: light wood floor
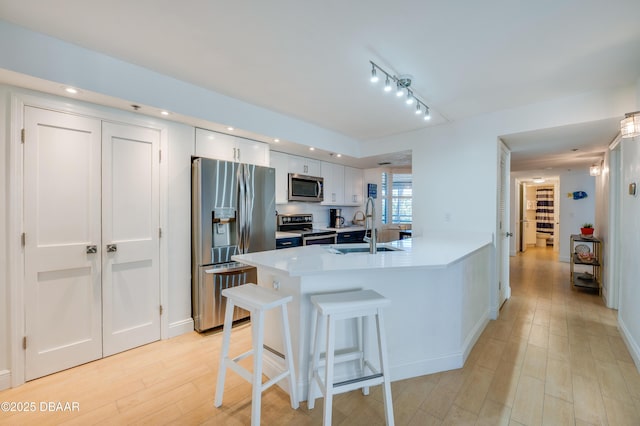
point(554, 357)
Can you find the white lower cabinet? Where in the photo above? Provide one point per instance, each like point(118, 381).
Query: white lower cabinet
point(333, 175)
point(221, 146)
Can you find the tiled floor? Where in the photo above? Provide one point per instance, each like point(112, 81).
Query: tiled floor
point(554, 357)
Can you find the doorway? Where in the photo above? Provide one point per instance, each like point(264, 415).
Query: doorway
point(538, 213)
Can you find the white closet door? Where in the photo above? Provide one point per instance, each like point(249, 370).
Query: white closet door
point(130, 215)
point(61, 222)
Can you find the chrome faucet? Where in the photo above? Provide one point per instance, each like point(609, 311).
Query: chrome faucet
point(373, 240)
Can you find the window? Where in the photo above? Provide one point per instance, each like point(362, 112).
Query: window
point(396, 195)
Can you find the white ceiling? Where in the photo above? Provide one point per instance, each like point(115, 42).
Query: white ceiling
point(310, 60)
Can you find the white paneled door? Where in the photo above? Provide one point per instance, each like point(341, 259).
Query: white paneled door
point(88, 185)
point(62, 228)
point(130, 234)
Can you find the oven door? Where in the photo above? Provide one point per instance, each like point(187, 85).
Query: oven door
point(319, 239)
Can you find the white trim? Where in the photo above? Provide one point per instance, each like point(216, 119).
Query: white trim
point(19, 99)
point(611, 293)
point(632, 345)
point(180, 327)
point(163, 240)
point(16, 251)
point(5, 379)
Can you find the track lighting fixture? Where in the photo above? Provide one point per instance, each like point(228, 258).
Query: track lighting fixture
point(403, 82)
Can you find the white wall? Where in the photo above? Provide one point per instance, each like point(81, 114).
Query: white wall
point(181, 146)
point(574, 213)
point(629, 314)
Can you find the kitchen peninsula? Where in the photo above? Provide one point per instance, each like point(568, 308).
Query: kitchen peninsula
point(439, 286)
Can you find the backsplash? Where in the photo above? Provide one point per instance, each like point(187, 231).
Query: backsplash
point(320, 213)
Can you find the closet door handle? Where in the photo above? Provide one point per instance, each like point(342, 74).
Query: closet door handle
point(509, 234)
point(92, 249)
point(112, 248)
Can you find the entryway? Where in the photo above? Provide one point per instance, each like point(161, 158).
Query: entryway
point(91, 239)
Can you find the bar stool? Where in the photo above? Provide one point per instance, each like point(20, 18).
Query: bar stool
point(257, 300)
point(327, 309)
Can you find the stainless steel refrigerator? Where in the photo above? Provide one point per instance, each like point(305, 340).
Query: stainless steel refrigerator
point(233, 212)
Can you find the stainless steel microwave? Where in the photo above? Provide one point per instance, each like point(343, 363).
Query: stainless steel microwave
point(305, 188)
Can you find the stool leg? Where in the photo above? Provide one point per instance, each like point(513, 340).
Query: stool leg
point(224, 354)
point(384, 366)
point(362, 342)
point(315, 358)
point(257, 328)
point(286, 337)
point(328, 377)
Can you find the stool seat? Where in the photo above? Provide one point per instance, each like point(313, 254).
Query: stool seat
point(257, 300)
point(251, 296)
point(327, 309)
point(348, 302)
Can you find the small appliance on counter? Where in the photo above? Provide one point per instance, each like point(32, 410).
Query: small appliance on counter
point(335, 218)
point(302, 224)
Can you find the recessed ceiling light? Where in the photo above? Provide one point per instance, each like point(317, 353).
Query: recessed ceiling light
point(276, 140)
point(71, 90)
point(311, 148)
point(230, 128)
point(164, 112)
point(338, 155)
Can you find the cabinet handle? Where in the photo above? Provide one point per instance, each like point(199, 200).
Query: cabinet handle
point(234, 154)
point(306, 168)
point(238, 154)
point(112, 248)
point(286, 243)
point(92, 249)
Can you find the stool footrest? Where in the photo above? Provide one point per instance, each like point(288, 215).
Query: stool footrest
point(243, 372)
point(359, 380)
point(266, 385)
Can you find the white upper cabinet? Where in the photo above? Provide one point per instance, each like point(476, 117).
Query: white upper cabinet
point(304, 166)
point(333, 175)
point(231, 148)
point(353, 186)
point(280, 162)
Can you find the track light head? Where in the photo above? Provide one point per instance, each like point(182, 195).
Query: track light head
point(387, 85)
point(374, 75)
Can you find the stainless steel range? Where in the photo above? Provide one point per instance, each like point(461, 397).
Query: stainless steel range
point(302, 224)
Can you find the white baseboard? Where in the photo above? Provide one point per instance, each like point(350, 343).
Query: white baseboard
point(180, 327)
point(632, 345)
point(5, 379)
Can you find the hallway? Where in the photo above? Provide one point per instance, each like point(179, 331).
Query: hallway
point(554, 357)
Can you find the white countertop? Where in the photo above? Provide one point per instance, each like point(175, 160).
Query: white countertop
point(435, 250)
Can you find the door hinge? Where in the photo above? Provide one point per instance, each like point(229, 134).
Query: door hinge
point(23, 239)
point(499, 285)
point(159, 156)
point(159, 232)
point(22, 136)
point(161, 309)
point(24, 342)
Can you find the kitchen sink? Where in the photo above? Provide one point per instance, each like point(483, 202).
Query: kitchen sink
point(362, 249)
